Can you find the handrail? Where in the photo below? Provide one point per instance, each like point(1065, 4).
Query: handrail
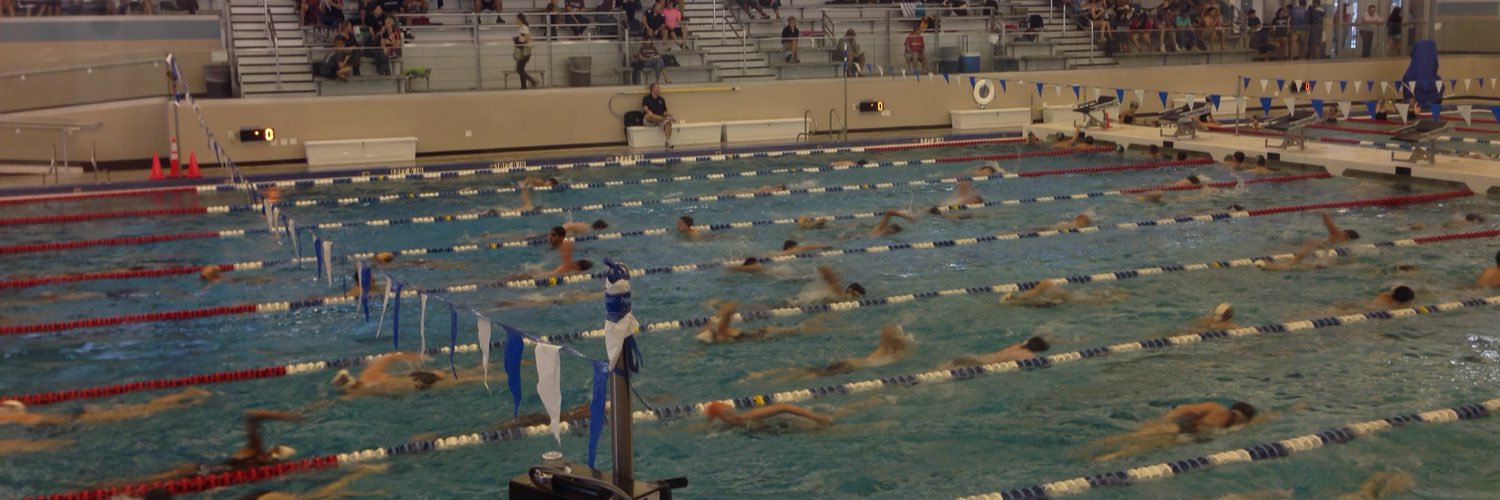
point(833, 112)
point(808, 125)
point(154, 58)
point(830, 30)
point(271, 35)
point(735, 27)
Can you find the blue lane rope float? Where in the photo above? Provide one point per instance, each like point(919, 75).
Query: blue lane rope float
point(306, 367)
point(1260, 452)
point(1255, 453)
point(277, 307)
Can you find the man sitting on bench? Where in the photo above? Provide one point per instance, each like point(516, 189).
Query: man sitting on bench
point(655, 108)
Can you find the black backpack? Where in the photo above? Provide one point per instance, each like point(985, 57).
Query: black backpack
point(635, 118)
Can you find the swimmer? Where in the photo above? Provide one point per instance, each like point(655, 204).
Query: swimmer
point(1335, 235)
point(1260, 167)
point(1334, 115)
point(1458, 220)
point(15, 412)
point(989, 169)
point(538, 182)
point(886, 228)
point(272, 195)
point(791, 247)
point(686, 229)
point(1221, 319)
point(895, 344)
point(760, 190)
point(1026, 349)
point(720, 330)
point(750, 265)
point(377, 379)
point(1157, 195)
point(1079, 221)
point(210, 274)
point(965, 195)
point(1065, 142)
point(537, 299)
point(559, 240)
point(1400, 296)
point(19, 446)
point(579, 412)
point(1182, 424)
point(1490, 277)
point(254, 454)
point(725, 413)
point(1153, 152)
point(1182, 156)
point(1383, 484)
point(336, 489)
point(834, 285)
point(579, 228)
point(806, 222)
point(848, 163)
point(1236, 160)
point(1044, 294)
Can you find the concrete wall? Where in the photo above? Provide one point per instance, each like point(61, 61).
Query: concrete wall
point(469, 121)
point(77, 60)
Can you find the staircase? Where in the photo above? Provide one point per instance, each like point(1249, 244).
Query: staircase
point(1072, 45)
point(271, 58)
point(718, 35)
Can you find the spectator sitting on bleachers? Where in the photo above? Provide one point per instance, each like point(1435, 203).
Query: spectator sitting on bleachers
point(916, 48)
point(850, 52)
point(745, 5)
point(774, 5)
point(958, 7)
point(189, 6)
point(345, 57)
point(656, 22)
point(490, 5)
point(789, 36)
point(672, 24)
point(573, 15)
point(648, 58)
point(390, 39)
point(631, 8)
point(375, 19)
point(1034, 25)
point(1141, 27)
point(307, 12)
point(414, 7)
point(331, 13)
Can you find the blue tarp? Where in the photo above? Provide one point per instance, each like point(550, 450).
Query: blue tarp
point(1424, 71)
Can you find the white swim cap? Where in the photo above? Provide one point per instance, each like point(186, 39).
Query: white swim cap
point(12, 406)
point(282, 452)
point(1223, 312)
point(343, 379)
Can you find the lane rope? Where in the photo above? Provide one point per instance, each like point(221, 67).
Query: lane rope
point(278, 307)
point(308, 367)
point(23, 200)
point(197, 484)
point(1260, 452)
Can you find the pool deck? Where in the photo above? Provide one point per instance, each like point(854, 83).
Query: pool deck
point(1481, 176)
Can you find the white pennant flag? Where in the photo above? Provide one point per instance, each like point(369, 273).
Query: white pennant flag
point(549, 385)
point(1328, 87)
point(1439, 86)
point(1140, 96)
point(1094, 94)
point(1297, 85)
point(1344, 107)
point(384, 301)
point(1263, 83)
point(484, 348)
point(1058, 88)
point(1384, 86)
point(328, 260)
point(1466, 84)
point(422, 324)
point(615, 332)
point(1291, 104)
point(1401, 108)
point(1411, 86)
point(1239, 106)
point(1464, 110)
point(1191, 98)
point(1492, 83)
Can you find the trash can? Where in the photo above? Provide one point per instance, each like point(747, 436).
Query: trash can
point(217, 80)
point(948, 60)
point(580, 71)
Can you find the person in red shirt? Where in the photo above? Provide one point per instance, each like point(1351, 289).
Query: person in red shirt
point(916, 48)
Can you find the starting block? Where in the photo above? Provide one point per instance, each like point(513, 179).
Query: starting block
point(1422, 136)
point(1088, 109)
point(1292, 127)
point(1186, 119)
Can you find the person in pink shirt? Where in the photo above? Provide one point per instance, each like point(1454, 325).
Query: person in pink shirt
point(916, 48)
point(674, 29)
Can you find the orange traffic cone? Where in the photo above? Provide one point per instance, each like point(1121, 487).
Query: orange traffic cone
point(193, 172)
point(156, 167)
point(176, 172)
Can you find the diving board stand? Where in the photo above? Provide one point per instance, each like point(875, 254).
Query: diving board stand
point(1293, 128)
point(1422, 136)
point(1185, 119)
point(1088, 109)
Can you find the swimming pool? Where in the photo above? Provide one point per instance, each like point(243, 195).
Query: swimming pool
point(926, 441)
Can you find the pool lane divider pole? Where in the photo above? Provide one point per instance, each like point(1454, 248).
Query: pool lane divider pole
point(197, 484)
point(577, 186)
point(277, 307)
point(668, 160)
point(511, 214)
point(307, 367)
point(1257, 453)
point(532, 242)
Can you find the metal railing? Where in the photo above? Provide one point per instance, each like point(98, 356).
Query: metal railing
point(271, 37)
point(64, 128)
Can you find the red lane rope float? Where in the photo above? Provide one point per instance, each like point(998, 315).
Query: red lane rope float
point(197, 484)
point(108, 275)
point(45, 398)
point(51, 219)
point(270, 307)
point(102, 194)
point(124, 240)
point(1460, 129)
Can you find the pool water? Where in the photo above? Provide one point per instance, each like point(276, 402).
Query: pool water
point(951, 439)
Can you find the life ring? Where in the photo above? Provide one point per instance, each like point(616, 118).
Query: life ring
point(984, 92)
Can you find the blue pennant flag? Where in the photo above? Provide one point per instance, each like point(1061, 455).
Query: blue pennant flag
point(945, 78)
point(452, 338)
point(1039, 88)
point(1343, 85)
point(1311, 85)
point(869, 69)
point(596, 407)
point(514, 348)
point(1317, 105)
point(917, 73)
point(973, 82)
point(1163, 96)
point(1265, 106)
point(318, 254)
point(1370, 106)
point(1245, 82)
point(1215, 98)
point(1120, 96)
point(1003, 89)
point(396, 318)
point(892, 71)
point(1369, 85)
point(1076, 93)
point(1280, 84)
point(1453, 84)
point(1481, 82)
point(364, 288)
point(1495, 110)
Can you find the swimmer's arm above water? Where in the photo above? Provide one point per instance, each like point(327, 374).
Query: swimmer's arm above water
point(783, 408)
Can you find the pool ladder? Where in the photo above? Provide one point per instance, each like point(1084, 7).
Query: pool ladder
point(809, 127)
